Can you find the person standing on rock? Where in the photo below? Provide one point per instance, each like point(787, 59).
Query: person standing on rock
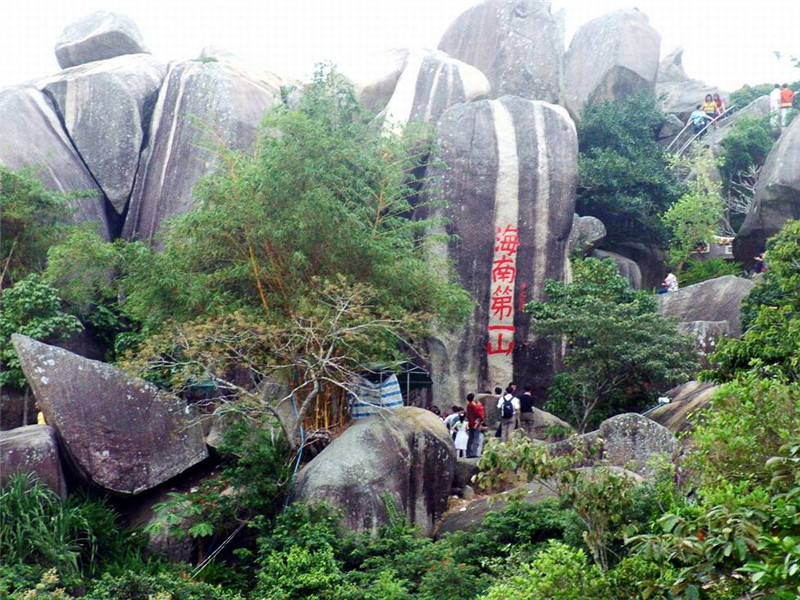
point(508, 405)
point(710, 107)
point(775, 105)
point(476, 416)
point(461, 434)
point(787, 97)
point(526, 415)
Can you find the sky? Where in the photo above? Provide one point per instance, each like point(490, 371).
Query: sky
point(727, 42)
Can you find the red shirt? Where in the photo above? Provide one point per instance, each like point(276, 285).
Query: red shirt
point(787, 95)
point(475, 412)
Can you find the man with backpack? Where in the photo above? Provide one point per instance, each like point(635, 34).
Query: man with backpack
point(508, 405)
point(526, 419)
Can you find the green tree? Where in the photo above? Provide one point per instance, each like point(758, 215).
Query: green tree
point(33, 308)
point(301, 263)
point(624, 176)
point(695, 217)
point(619, 349)
point(770, 345)
point(31, 220)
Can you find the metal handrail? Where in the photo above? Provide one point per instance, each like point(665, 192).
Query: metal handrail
point(703, 130)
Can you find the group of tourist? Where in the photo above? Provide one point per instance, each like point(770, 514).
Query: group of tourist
point(468, 426)
point(780, 104)
point(707, 112)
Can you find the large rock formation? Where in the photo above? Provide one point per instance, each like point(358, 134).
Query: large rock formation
point(32, 449)
point(611, 57)
point(518, 44)
point(651, 259)
point(98, 36)
point(403, 456)
point(717, 299)
point(777, 196)
point(105, 107)
point(201, 106)
point(516, 160)
point(33, 138)
point(430, 83)
point(680, 94)
point(120, 433)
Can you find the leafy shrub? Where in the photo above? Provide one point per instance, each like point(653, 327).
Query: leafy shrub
point(79, 536)
point(696, 271)
point(170, 584)
point(747, 144)
point(558, 571)
point(747, 93)
point(31, 307)
point(747, 423)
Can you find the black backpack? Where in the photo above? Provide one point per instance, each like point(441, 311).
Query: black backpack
point(507, 408)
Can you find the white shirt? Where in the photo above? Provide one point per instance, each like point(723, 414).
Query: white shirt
point(514, 402)
point(775, 99)
point(672, 282)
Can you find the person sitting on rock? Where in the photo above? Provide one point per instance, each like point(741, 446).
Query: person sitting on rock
point(670, 283)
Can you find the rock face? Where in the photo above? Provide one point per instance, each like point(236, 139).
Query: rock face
point(105, 107)
point(518, 44)
point(707, 335)
point(514, 159)
point(430, 83)
point(33, 138)
point(611, 57)
point(586, 234)
point(377, 76)
point(679, 93)
point(120, 433)
point(200, 106)
point(32, 449)
point(686, 401)
point(98, 36)
point(631, 440)
point(404, 456)
point(717, 299)
point(627, 268)
point(777, 196)
point(651, 259)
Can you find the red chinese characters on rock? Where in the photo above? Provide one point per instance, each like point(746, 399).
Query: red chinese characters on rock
point(504, 275)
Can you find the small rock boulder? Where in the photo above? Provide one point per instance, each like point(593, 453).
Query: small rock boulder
point(585, 235)
point(120, 433)
point(32, 449)
point(404, 456)
point(627, 267)
point(98, 36)
point(718, 299)
point(610, 58)
point(631, 440)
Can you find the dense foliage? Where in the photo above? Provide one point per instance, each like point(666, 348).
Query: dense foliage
point(624, 176)
point(619, 349)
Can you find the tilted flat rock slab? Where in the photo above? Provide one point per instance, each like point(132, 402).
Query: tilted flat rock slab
point(611, 57)
point(777, 196)
point(98, 36)
point(718, 299)
point(404, 456)
point(120, 433)
point(106, 107)
point(33, 138)
point(201, 106)
point(32, 449)
point(518, 44)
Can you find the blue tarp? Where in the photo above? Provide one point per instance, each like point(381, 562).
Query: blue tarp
point(370, 398)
